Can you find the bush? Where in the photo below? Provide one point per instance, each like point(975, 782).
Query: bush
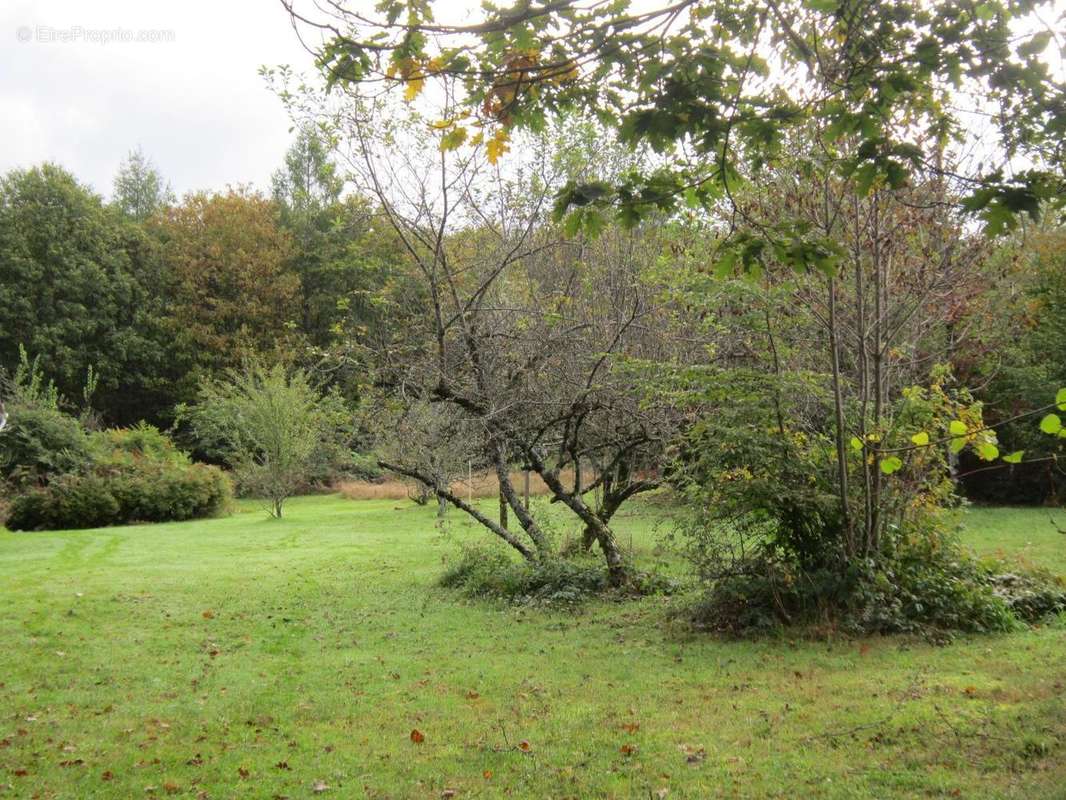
point(69, 501)
point(128, 446)
point(1032, 595)
point(490, 572)
point(150, 492)
point(41, 442)
point(136, 475)
point(932, 587)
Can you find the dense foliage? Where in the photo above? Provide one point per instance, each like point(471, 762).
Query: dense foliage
point(78, 290)
point(273, 427)
point(134, 475)
point(490, 572)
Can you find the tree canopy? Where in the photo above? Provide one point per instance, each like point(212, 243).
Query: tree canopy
point(715, 88)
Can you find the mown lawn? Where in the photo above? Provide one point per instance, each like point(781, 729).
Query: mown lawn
point(245, 657)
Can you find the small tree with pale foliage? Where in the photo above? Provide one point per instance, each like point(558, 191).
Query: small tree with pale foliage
point(272, 425)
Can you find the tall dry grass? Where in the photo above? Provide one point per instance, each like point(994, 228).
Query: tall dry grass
point(481, 486)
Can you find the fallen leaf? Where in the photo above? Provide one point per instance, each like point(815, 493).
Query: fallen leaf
point(417, 736)
point(472, 695)
point(209, 614)
point(283, 765)
point(628, 749)
point(108, 775)
point(631, 727)
point(524, 746)
point(448, 793)
point(487, 774)
point(171, 788)
point(244, 772)
point(319, 787)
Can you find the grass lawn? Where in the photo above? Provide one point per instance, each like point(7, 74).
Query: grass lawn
point(245, 657)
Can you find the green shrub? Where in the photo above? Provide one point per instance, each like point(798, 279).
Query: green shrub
point(141, 492)
point(41, 442)
point(931, 587)
point(490, 572)
point(127, 446)
point(136, 475)
point(69, 501)
point(161, 493)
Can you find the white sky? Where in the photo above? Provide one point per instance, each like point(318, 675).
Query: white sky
point(195, 105)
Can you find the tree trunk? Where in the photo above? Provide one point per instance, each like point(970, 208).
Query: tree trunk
point(838, 405)
point(617, 569)
point(462, 505)
point(525, 519)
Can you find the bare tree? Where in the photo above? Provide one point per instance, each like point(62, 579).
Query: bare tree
point(521, 330)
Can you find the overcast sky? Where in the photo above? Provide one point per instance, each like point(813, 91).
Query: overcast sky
point(195, 105)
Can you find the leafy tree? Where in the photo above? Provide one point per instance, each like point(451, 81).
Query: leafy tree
point(1018, 330)
point(342, 249)
point(78, 289)
point(308, 183)
point(271, 425)
point(139, 190)
point(696, 81)
point(230, 293)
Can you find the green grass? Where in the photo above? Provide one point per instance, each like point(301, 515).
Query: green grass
point(245, 657)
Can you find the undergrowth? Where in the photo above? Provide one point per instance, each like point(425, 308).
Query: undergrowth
point(934, 589)
point(485, 572)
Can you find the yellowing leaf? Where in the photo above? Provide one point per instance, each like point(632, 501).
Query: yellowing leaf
point(1015, 457)
point(988, 451)
point(413, 88)
point(497, 145)
point(921, 439)
point(957, 428)
point(453, 139)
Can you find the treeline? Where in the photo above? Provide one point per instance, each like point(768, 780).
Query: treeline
point(128, 305)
